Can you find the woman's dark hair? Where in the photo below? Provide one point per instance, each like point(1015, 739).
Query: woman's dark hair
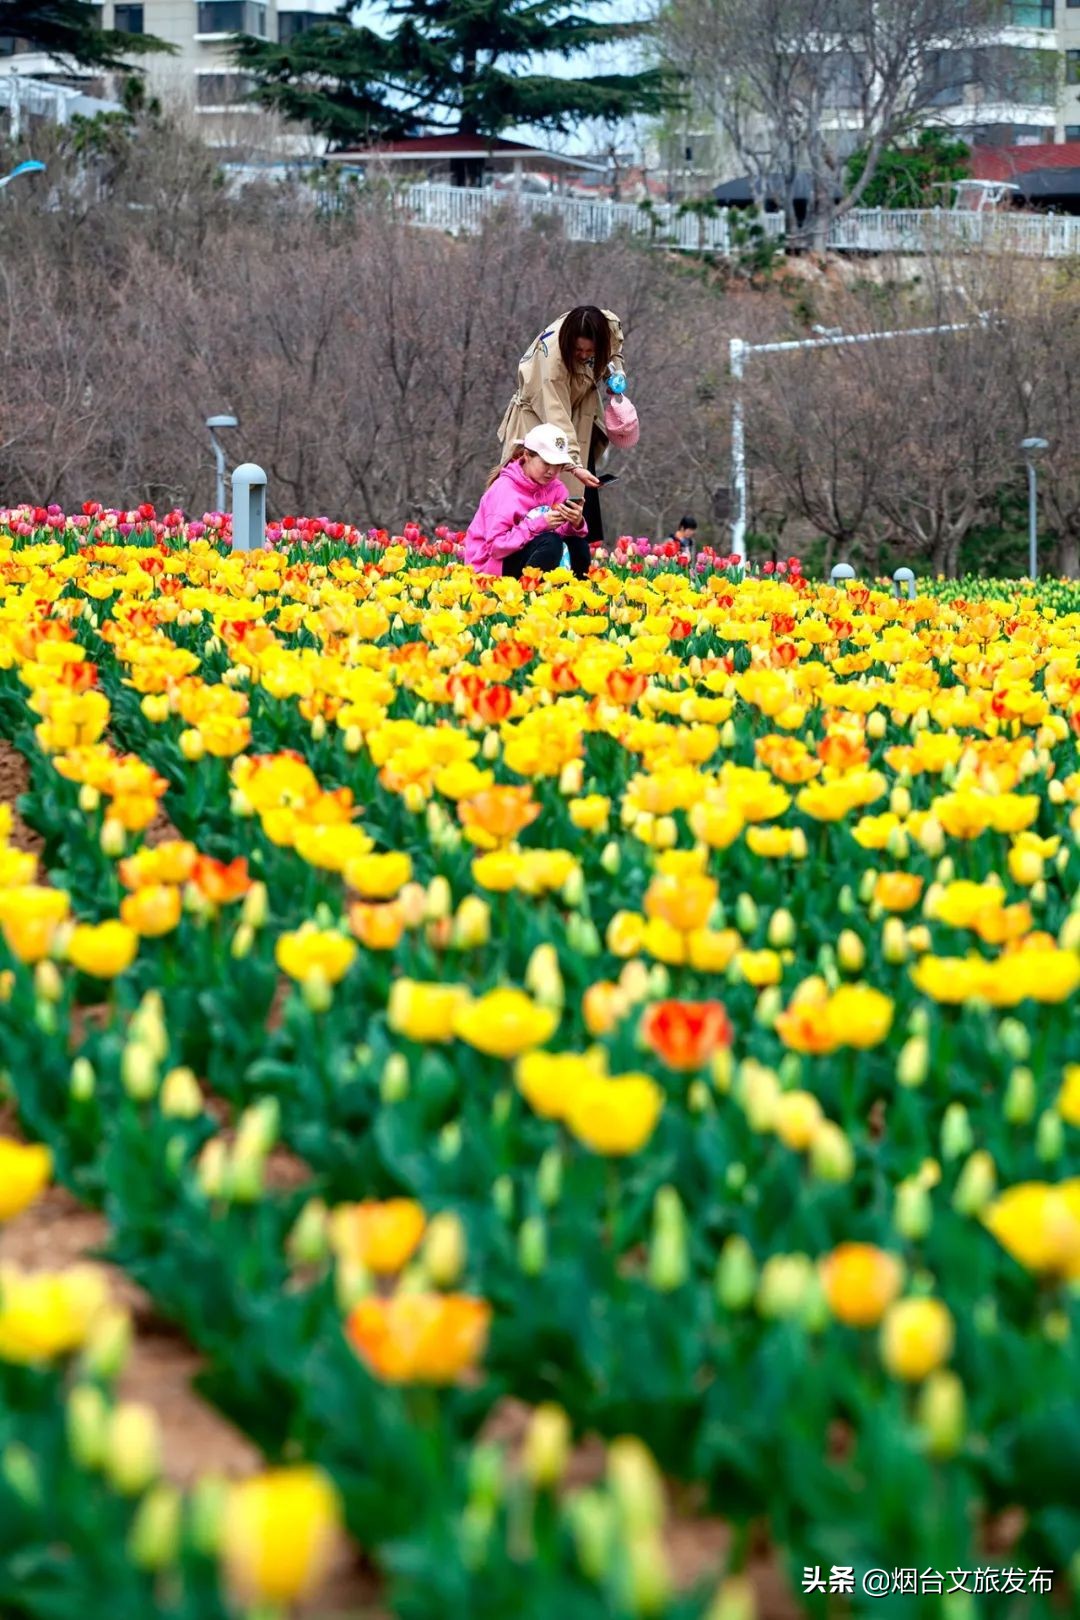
point(586, 321)
point(688, 523)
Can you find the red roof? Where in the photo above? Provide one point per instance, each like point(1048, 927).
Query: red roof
point(1005, 162)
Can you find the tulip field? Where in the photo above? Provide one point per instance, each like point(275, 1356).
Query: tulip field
point(578, 1060)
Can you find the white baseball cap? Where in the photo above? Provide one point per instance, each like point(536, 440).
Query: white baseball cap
point(550, 442)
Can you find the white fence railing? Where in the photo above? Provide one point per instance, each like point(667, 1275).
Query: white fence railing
point(25, 98)
point(462, 210)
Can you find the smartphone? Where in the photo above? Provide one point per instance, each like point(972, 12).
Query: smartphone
point(609, 478)
point(574, 500)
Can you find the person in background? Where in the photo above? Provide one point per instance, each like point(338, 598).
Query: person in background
point(560, 380)
point(685, 533)
point(524, 518)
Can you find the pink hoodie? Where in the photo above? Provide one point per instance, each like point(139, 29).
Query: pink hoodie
point(503, 522)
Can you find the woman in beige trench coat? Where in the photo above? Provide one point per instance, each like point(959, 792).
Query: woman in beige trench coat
point(559, 380)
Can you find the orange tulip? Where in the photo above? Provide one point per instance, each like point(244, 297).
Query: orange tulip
point(420, 1338)
point(685, 1034)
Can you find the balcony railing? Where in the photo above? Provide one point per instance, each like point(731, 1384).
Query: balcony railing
point(463, 210)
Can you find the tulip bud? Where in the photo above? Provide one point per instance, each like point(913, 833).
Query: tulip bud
point(735, 1599)
point(543, 978)
point(649, 1574)
point(900, 802)
point(736, 1274)
point(940, 1414)
point(242, 942)
point(192, 746)
point(138, 1072)
point(784, 1285)
point(353, 739)
point(546, 1450)
point(213, 1168)
point(108, 1344)
point(758, 1093)
point(549, 1174)
point(48, 985)
point(582, 936)
point(448, 1144)
point(113, 838)
point(154, 1538)
point(832, 1157)
point(246, 1180)
point(308, 1242)
point(572, 778)
point(931, 837)
point(635, 1484)
point(472, 924)
point(913, 1062)
point(721, 1069)
point(727, 734)
point(913, 1211)
point(1049, 1137)
point(1019, 1102)
point(698, 1098)
point(207, 1506)
point(746, 915)
point(593, 1526)
point(394, 1081)
point(83, 1080)
point(956, 1135)
point(180, 1095)
point(440, 900)
point(132, 1458)
point(975, 1184)
point(19, 1471)
point(86, 1421)
point(1069, 932)
point(502, 1196)
point(894, 944)
point(317, 991)
point(255, 906)
point(769, 1006)
point(611, 858)
point(781, 929)
point(1015, 1039)
point(490, 746)
point(669, 1261)
point(532, 1246)
point(445, 1249)
point(258, 1129)
point(89, 799)
point(573, 890)
point(850, 951)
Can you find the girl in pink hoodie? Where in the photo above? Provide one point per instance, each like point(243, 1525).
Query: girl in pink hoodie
point(524, 518)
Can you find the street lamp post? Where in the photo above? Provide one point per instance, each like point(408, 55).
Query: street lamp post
point(213, 423)
point(1033, 449)
point(739, 350)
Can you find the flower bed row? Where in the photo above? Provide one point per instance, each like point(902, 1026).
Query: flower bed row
point(669, 987)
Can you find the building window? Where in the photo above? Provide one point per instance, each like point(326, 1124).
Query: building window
point(231, 17)
point(222, 89)
point(292, 23)
point(1072, 67)
point(128, 19)
point(1033, 13)
point(1072, 132)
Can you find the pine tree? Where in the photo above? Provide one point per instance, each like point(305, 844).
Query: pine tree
point(69, 31)
point(456, 66)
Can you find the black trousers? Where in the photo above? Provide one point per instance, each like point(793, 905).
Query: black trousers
point(544, 551)
point(593, 520)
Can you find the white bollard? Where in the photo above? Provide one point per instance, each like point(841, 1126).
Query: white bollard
point(904, 580)
point(249, 507)
point(842, 571)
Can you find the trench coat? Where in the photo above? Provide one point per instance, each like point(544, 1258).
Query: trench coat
point(547, 392)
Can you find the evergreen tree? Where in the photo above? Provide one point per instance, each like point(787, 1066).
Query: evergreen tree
point(448, 65)
point(69, 31)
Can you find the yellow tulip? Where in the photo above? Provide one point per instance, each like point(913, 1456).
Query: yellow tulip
point(279, 1535)
point(916, 1338)
point(617, 1116)
point(103, 951)
point(504, 1023)
point(425, 1012)
point(24, 1175)
point(311, 950)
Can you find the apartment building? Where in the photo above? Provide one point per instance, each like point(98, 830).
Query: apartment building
point(200, 73)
